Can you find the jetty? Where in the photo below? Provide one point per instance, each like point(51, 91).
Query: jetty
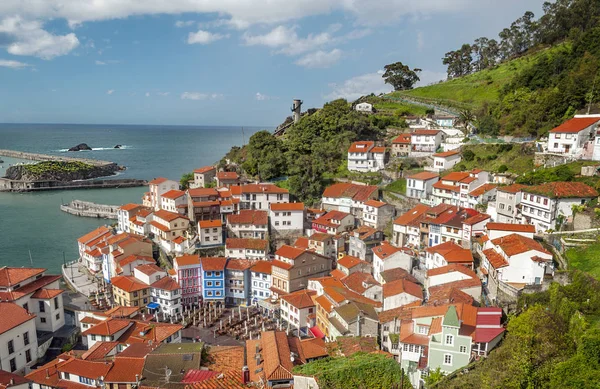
point(89, 209)
point(46, 157)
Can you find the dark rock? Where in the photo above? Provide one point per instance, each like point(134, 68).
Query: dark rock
point(80, 147)
point(59, 171)
point(117, 146)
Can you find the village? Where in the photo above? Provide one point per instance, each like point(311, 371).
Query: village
point(230, 283)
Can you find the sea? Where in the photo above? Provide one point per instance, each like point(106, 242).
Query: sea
point(33, 229)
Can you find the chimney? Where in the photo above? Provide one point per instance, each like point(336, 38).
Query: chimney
point(245, 375)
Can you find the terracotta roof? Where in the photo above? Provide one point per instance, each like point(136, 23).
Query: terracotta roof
point(510, 227)
point(320, 237)
point(348, 261)
point(441, 185)
point(448, 295)
point(359, 282)
point(88, 369)
point(238, 264)
point(513, 188)
point(356, 192)
point(562, 190)
point(245, 243)
point(210, 223)
point(262, 267)
point(227, 380)
point(125, 370)
point(10, 276)
point(496, 260)
point(574, 125)
point(202, 192)
point(281, 265)
point(204, 169)
point(46, 294)
point(166, 283)
point(168, 216)
point(99, 350)
point(213, 263)
point(514, 244)
point(460, 284)
point(132, 258)
point(173, 194)
point(187, 260)
point(248, 216)
point(451, 268)
point(364, 232)
point(149, 269)
point(158, 181)
point(482, 189)
point(452, 252)
point(300, 299)
point(378, 150)
point(12, 316)
point(128, 283)
point(375, 203)
point(130, 207)
point(361, 147)
point(276, 352)
point(424, 176)
point(476, 219)
point(152, 332)
point(89, 320)
point(397, 274)
point(289, 252)
point(287, 206)
point(301, 243)
point(331, 215)
point(120, 311)
point(227, 176)
point(108, 327)
point(448, 153)
point(337, 273)
point(457, 176)
point(324, 302)
point(100, 231)
point(8, 380)
point(402, 139)
point(411, 215)
point(385, 250)
point(394, 288)
point(423, 131)
point(328, 281)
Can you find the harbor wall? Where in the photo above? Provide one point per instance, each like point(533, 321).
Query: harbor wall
point(7, 185)
point(89, 209)
point(46, 157)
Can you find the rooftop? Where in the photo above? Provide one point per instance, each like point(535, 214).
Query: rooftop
point(249, 216)
point(574, 125)
point(13, 316)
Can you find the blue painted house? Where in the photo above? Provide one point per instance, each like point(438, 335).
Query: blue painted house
point(213, 278)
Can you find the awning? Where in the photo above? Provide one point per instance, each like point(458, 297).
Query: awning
point(317, 333)
point(153, 305)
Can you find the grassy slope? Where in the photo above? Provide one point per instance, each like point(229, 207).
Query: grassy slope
point(391, 107)
point(518, 160)
point(473, 90)
point(586, 259)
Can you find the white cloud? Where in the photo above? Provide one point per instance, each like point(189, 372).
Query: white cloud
point(107, 62)
point(420, 40)
point(163, 93)
point(110, 91)
point(429, 77)
point(147, 94)
point(201, 96)
point(320, 59)
point(260, 97)
point(184, 23)
point(358, 86)
point(13, 64)
point(29, 38)
point(204, 37)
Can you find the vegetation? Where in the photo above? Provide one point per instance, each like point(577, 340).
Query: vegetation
point(400, 76)
point(553, 343)
point(514, 158)
point(585, 258)
point(184, 181)
point(398, 186)
point(566, 172)
point(361, 370)
point(53, 167)
point(387, 106)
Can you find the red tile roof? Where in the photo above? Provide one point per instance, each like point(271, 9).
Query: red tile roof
point(98, 232)
point(361, 147)
point(510, 227)
point(108, 327)
point(301, 243)
point(356, 192)
point(210, 223)
point(99, 350)
point(402, 139)
point(514, 244)
point(213, 263)
point(166, 283)
point(452, 252)
point(149, 269)
point(249, 216)
point(88, 369)
point(423, 131)
point(158, 181)
point(375, 203)
point(349, 261)
point(186, 260)
point(575, 125)
point(320, 237)
point(411, 215)
point(168, 216)
point(448, 153)
point(300, 299)
point(46, 294)
point(227, 380)
point(453, 267)
point(457, 176)
point(562, 190)
point(394, 288)
point(482, 189)
point(460, 284)
point(378, 150)
point(357, 281)
point(8, 379)
point(204, 169)
point(396, 274)
point(476, 219)
point(12, 316)
point(238, 264)
point(125, 370)
point(128, 283)
point(258, 188)
point(287, 206)
point(448, 295)
point(263, 267)
point(227, 176)
point(513, 188)
point(281, 264)
point(130, 207)
point(496, 260)
point(173, 194)
point(289, 252)
point(202, 192)
point(385, 250)
point(251, 244)
point(10, 276)
point(424, 176)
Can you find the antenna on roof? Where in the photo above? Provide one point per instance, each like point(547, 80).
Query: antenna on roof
point(30, 258)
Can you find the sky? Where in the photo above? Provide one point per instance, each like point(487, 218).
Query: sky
point(220, 62)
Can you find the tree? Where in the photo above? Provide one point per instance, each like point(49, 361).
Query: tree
point(184, 182)
point(468, 155)
point(465, 117)
point(400, 76)
point(434, 377)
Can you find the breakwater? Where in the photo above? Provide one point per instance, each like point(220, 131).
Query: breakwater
point(7, 185)
point(89, 209)
point(46, 157)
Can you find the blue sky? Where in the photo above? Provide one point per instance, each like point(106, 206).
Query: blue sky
point(220, 62)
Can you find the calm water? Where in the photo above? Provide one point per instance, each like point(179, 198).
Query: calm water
point(33, 221)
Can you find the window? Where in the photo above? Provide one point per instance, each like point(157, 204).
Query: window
point(42, 319)
point(56, 303)
point(463, 349)
point(545, 201)
point(93, 337)
point(26, 338)
point(217, 274)
point(66, 376)
point(11, 347)
point(42, 306)
point(447, 359)
point(208, 283)
point(27, 356)
point(26, 305)
point(13, 365)
point(449, 340)
point(58, 315)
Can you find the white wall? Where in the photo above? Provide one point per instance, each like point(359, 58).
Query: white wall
point(16, 335)
point(398, 301)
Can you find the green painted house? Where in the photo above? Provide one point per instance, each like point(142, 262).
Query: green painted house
point(449, 350)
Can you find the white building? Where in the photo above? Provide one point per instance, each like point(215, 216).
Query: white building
point(297, 307)
point(174, 201)
point(157, 188)
point(453, 276)
point(259, 196)
point(400, 292)
point(365, 157)
point(573, 137)
point(364, 107)
point(444, 120)
point(165, 293)
point(333, 222)
point(125, 213)
point(448, 253)
point(88, 244)
point(286, 217)
point(406, 227)
point(377, 214)
point(347, 197)
point(548, 205)
point(210, 233)
point(251, 224)
point(454, 188)
point(425, 141)
point(203, 177)
point(498, 230)
point(420, 185)
point(260, 274)
point(243, 248)
point(139, 224)
point(386, 257)
point(18, 339)
point(446, 160)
